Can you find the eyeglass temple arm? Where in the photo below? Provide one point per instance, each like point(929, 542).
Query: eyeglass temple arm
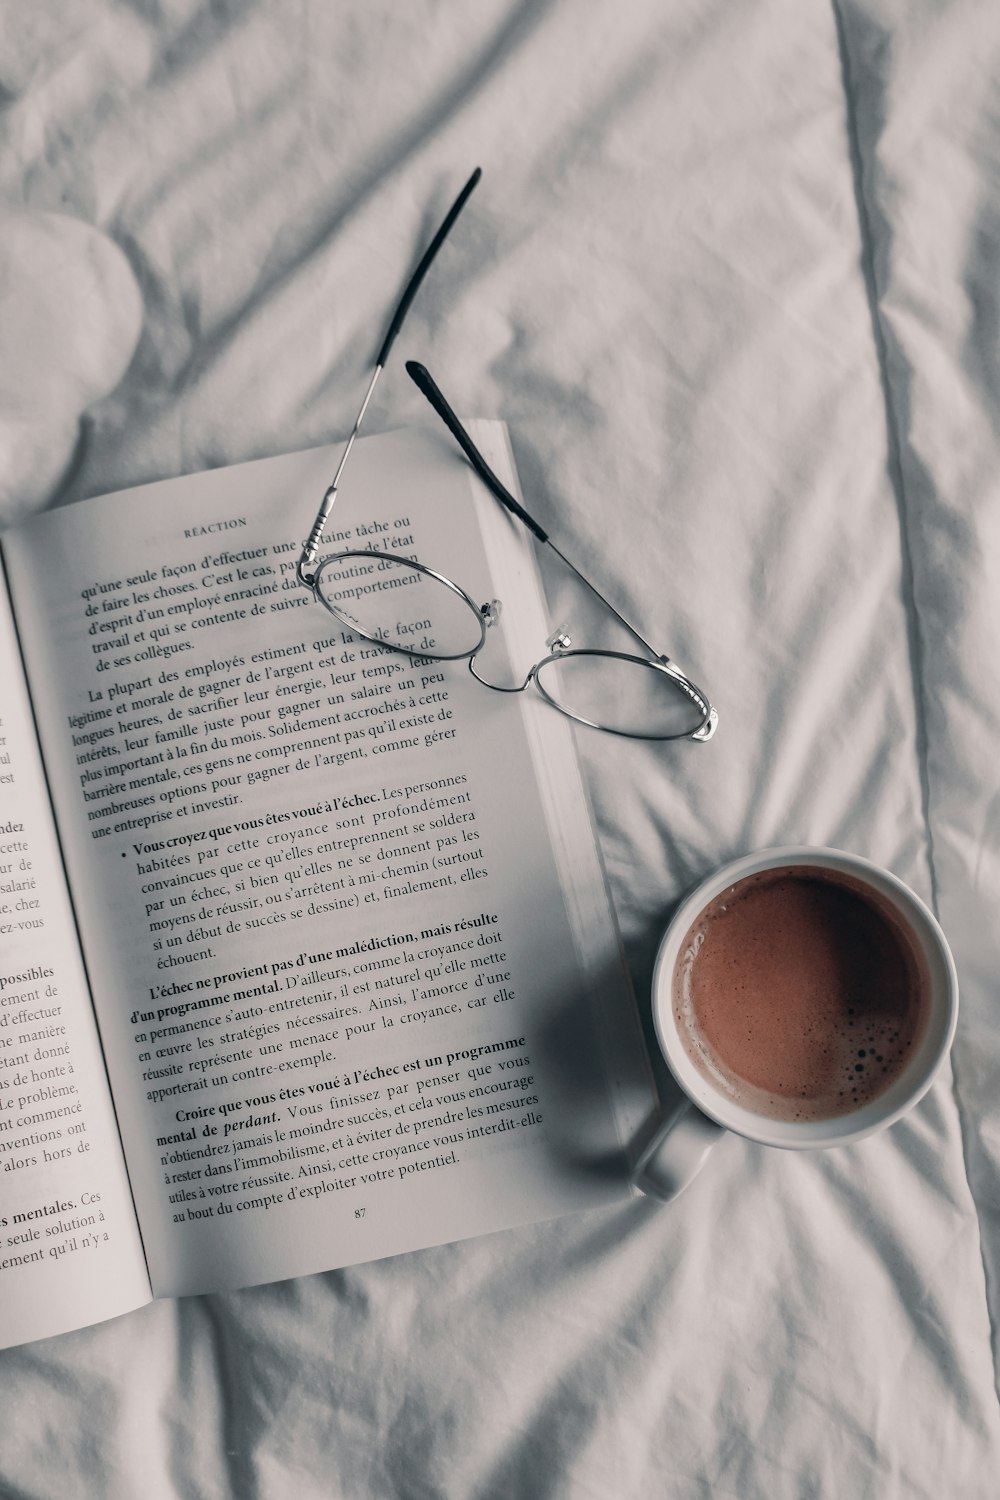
point(413, 285)
point(424, 382)
point(427, 386)
point(395, 324)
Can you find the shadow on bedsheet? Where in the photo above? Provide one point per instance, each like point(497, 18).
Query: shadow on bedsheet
point(603, 1095)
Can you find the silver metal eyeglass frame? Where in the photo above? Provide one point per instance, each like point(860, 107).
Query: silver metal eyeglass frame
point(560, 645)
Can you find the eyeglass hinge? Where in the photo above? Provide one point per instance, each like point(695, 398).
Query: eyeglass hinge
point(708, 728)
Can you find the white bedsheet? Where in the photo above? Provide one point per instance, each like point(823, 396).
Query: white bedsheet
point(732, 277)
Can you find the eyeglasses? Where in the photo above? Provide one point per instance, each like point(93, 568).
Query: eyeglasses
point(641, 697)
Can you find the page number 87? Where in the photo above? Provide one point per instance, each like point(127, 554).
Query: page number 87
point(359, 1213)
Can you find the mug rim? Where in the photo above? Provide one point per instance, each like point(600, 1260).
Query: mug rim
point(878, 1113)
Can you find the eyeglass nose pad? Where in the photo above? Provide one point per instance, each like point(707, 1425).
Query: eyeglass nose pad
point(559, 640)
point(491, 612)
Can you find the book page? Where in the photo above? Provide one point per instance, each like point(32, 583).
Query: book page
point(347, 1007)
point(70, 1252)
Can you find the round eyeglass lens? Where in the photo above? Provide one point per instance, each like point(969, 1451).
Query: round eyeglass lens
point(400, 604)
point(624, 694)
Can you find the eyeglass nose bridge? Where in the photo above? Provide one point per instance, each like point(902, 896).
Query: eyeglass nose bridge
point(490, 613)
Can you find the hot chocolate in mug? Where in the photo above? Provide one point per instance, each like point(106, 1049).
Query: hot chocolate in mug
point(802, 998)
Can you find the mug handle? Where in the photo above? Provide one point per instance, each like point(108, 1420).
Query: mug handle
point(676, 1152)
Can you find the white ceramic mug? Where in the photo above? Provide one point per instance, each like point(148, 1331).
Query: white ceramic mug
point(683, 1140)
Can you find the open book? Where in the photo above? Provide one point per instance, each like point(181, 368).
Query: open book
point(306, 953)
